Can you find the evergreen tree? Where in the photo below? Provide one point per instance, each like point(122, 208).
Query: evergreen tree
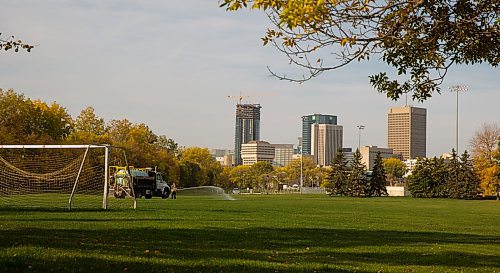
point(378, 179)
point(418, 181)
point(439, 173)
point(428, 179)
point(337, 179)
point(357, 183)
point(469, 183)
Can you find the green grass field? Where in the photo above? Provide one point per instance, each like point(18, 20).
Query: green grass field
point(260, 233)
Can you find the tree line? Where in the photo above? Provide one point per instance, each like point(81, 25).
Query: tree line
point(27, 121)
point(433, 177)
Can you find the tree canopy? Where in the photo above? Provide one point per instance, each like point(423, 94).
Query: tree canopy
point(395, 170)
point(485, 146)
point(12, 43)
point(420, 39)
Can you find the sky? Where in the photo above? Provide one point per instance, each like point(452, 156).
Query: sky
point(172, 64)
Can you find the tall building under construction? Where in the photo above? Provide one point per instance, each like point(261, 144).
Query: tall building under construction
point(247, 127)
point(406, 131)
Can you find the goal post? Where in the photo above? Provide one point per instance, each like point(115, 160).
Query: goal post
point(42, 175)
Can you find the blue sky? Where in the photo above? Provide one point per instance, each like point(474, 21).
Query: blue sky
point(171, 64)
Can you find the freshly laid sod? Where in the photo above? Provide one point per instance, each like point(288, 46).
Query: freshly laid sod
point(257, 233)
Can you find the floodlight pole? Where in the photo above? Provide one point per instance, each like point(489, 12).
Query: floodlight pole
point(457, 89)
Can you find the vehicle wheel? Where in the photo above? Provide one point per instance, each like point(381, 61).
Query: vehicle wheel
point(148, 196)
point(138, 194)
point(165, 194)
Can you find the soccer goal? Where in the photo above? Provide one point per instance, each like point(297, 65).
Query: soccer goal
point(59, 176)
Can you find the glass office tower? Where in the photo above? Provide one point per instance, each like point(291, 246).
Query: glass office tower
point(307, 121)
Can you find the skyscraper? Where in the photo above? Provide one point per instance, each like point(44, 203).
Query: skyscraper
point(247, 127)
point(406, 131)
point(307, 121)
point(326, 140)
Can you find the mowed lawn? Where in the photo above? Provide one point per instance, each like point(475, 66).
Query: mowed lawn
point(257, 233)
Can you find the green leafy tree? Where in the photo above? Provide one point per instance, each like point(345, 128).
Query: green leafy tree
point(168, 144)
point(395, 170)
point(421, 40)
point(51, 120)
point(241, 176)
point(190, 174)
point(119, 130)
point(89, 122)
point(224, 180)
point(88, 128)
point(308, 170)
point(210, 168)
point(262, 176)
point(378, 178)
point(338, 177)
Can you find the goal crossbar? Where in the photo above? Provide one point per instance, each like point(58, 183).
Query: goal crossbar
point(55, 146)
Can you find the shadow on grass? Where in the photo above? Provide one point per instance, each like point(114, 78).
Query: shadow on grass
point(239, 250)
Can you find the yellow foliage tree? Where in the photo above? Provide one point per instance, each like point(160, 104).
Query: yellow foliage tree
point(485, 152)
point(490, 180)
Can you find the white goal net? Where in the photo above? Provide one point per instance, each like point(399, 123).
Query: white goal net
point(59, 176)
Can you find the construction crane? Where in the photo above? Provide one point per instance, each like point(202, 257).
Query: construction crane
point(241, 96)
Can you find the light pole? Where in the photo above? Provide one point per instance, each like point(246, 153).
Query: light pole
point(457, 89)
point(301, 167)
point(360, 127)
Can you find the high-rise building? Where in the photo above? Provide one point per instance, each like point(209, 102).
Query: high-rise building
point(369, 153)
point(247, 127)
point(326, 140)
point(406, 131)
point(257, 151)
point(307, 121)
point(283, 154)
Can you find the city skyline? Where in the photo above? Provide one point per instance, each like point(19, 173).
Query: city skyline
point(168, 64)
